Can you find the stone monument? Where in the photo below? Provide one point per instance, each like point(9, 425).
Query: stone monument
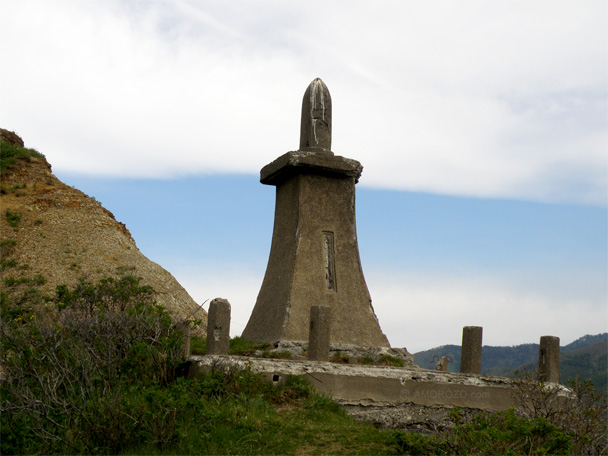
point(314, 256)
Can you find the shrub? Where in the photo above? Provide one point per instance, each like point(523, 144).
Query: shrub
point(388, 360)
point(198, 345)
point(70, 372)
point(276, 354)
point(13, 218)
point(240, 346)
point(581, 411)
point(414, 443)
point(339, 358)
point(546, 420)
point(7, 246)
point(506, 432)
point(10, 154)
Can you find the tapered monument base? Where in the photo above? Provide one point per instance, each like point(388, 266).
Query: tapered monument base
point(314, 257)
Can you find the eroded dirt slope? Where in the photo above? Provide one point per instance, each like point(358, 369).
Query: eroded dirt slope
point(60, 234)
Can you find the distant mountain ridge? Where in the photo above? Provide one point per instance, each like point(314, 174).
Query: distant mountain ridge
point(586, 357)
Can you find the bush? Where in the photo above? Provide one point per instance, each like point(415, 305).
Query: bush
point(506, 432)
point(581, 412)
point(13, 218)
point(414, 443)
point(10, 154)
point(388, 360)
point(546, 420)
point(240, 346)
point(70, 371)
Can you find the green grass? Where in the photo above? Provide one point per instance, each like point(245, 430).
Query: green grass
point(13, 218)
point(10, 154)
point(339, 358)
point(105, 383)
point(261, 419)
point(238, 346)
point(388, 360)
point(235, 412)
point(276, 355)
point(6, 264)
point(198, 346)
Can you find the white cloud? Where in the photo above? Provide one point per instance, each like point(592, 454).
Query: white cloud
point(501, 99)
point(422, 311)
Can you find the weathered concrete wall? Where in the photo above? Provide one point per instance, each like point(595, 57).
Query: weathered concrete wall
point(405, 398)
point(379, 386)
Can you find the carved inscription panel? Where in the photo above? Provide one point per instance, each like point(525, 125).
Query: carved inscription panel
point(329, 260)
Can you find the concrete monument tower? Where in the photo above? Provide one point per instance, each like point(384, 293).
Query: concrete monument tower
point(314, 256)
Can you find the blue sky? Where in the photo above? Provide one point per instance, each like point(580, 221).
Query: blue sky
point(482, 128)
point(433, 263)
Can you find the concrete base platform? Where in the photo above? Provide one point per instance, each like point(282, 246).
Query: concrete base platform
point(389, 396)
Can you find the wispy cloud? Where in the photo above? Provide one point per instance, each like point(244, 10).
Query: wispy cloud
point(484, 98)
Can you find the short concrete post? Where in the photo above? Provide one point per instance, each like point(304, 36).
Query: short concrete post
point(442, 364)
point(318, 335)
point(218, 327)
point(548, 359)
point(184, 325)
point(470, 360)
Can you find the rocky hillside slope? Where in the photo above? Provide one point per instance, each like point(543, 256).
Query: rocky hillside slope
point(54, 234)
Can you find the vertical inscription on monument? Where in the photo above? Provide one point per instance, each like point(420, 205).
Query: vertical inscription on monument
point(329, 260)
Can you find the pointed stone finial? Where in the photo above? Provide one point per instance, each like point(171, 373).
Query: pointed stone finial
point(315, 130)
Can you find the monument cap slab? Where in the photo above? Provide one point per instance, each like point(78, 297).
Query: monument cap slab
point(296, 162)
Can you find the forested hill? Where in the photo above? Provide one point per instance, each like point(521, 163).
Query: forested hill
point(585, 357)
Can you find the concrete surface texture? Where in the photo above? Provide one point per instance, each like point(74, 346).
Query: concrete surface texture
point(314, 256)
point(218, 327)
point(315, 129)
point(548, 359)
point(380, 386)
point(470, 361)
point(318, 336)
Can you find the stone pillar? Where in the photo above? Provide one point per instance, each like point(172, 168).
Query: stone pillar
point(548, 359)
point(185, 327)
point(442, 364)
point(218, 327)
point(470, 360)
point(318, 336)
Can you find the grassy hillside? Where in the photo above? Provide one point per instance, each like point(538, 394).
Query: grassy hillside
point(10, 154)
point(98, 369)
point(95, 370)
